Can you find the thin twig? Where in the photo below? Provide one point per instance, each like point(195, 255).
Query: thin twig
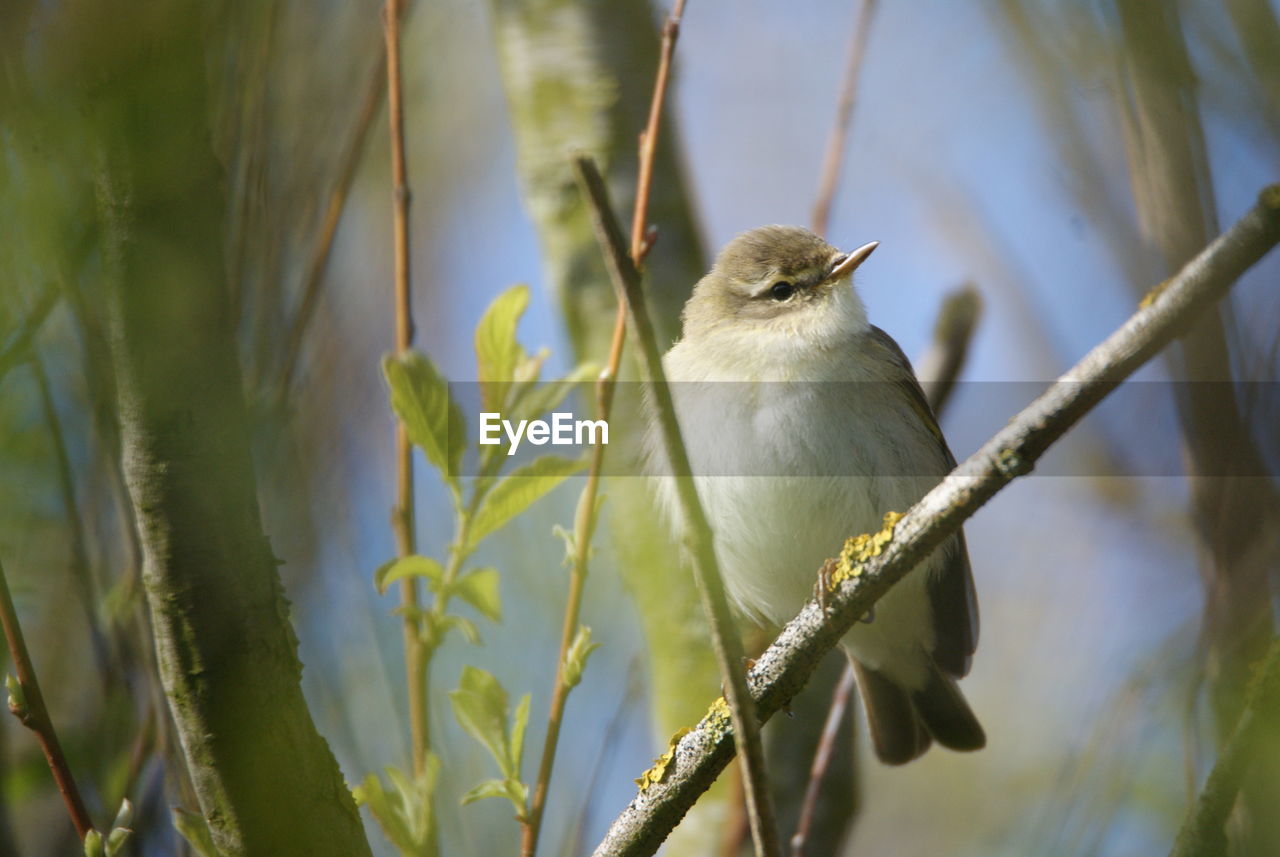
point(1201, 834)
point(32, 713)
point(782, 670)
point(313, 279)
point(840, 698)
point(17, 350)
point(696, 532)
point(585, 517)
point(844, 111)
point(937, 371)
point(81, 571)
point(941, 364)
point(402, 516)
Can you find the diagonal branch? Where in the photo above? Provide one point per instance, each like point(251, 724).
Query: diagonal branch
point(17, 350)
point(784, 668)
point(696, 532)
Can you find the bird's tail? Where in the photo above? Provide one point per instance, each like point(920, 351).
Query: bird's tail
point(905, 721)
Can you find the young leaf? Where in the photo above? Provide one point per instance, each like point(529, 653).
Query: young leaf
point(408, 566)
point(575, 660)
point(517, 491)
point(497, 351)
point(513, 790)
point(479, 588)
point(480, 705)
point(518, 724)
point(420, 397)
point(116, 840)
point(93, 846)
point(195, 830)
point(547, 397)
point(405, 814)
point(447, 623)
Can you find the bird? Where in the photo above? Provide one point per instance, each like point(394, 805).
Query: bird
point(804, 424)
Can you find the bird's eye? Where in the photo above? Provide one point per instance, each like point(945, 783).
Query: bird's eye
point(782, 290)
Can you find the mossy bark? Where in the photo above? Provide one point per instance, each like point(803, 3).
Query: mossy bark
point(579, 77)
point(266, 780)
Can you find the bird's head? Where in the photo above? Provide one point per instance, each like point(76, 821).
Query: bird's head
point(778, 290)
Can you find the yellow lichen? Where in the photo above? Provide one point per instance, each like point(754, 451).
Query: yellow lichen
point(719, 720)
point(859, 550)
point(1150, 297)
point(659, 768)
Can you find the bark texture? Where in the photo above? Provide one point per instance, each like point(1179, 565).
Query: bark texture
point(266, 780)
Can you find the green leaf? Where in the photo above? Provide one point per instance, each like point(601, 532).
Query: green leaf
point(405, 813)
point(445, 624)
point(547, 397)
point(93, 846)
point(513, 790)
point(480, 706)
point(518, 724)
point(420, 398)
point(124, 815)
point(408, 566)
point(497, 351)
point(195, 830)
point(517, 491)
point(479, 588)
point(529, 368)
point(117, 839)
point(17, 696)
point(575, 660)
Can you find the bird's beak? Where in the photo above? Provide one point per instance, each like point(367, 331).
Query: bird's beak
point(844, 264)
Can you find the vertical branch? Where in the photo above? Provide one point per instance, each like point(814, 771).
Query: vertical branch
point(403, 516)
point(937, 370)
point(1201, 834)
point(80, 568)
point(318, 260)
point(822, 759)
point(844, 112)
point(585, 516)
point(28, 706)
point(833, 160)
point(696, 534)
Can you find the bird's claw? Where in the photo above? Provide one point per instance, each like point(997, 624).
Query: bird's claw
point(822, 588)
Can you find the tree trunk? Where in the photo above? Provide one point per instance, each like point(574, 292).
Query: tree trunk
point(266, 781)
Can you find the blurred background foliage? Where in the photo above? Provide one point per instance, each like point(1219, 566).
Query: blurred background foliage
point(1064, 156)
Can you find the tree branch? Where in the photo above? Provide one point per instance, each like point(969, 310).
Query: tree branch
point(32, 713)
point(940, 366)
point(585, 517)
point(415, 658)
point(696, 533)
point(1202, 833)
point(18, 349)
point(836, 143)
point(784, 668)
point(937, 372)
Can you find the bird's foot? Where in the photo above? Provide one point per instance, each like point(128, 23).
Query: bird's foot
point(822, 588)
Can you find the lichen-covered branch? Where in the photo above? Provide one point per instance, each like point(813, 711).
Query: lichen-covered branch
point(784, 668)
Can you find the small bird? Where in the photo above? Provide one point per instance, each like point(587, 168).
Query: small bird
point(804, 425)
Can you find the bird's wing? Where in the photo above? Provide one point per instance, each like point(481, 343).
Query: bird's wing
point(951, 592)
